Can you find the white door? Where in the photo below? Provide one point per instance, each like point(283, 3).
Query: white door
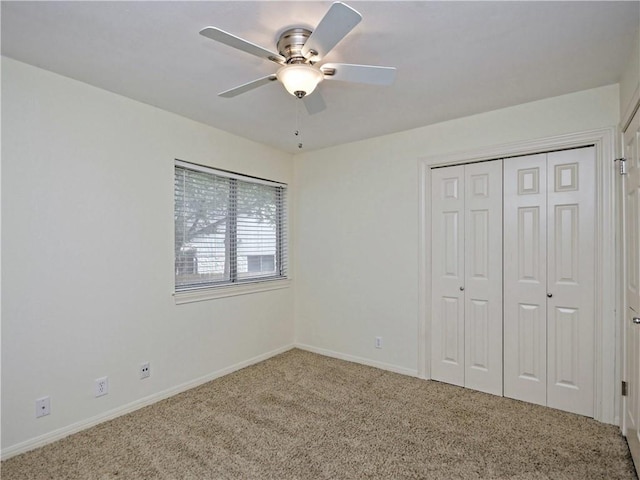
point(447, 285)
point(525, 278)
point(466, 327)
point(548, 278)
point(632, 287)
point(570, 280)
point(483, 277)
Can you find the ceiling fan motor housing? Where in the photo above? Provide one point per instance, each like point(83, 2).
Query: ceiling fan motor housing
point(291, 42)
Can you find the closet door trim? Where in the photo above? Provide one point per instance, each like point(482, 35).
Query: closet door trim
point(607, 325)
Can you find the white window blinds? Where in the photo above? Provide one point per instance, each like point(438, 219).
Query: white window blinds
point(229, 228)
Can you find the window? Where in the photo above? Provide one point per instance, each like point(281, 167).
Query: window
point(229, 229)
point(258, 263)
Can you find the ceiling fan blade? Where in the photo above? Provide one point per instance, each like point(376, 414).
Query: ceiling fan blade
point(314, 103)
point(248, 86)
point(370, 74)
point(334, 26)
point(236, 42)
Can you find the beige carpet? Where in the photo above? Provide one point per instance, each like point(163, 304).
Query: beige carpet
point(305, 416)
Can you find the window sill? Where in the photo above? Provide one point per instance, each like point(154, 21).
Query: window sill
point(229, 291)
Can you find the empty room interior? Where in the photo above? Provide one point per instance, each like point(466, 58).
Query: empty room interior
point(305, 239)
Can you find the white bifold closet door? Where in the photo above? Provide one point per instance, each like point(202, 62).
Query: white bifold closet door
point(466, 256)
point(549, 270)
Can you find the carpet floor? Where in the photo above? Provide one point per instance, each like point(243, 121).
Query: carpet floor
point(305, 416)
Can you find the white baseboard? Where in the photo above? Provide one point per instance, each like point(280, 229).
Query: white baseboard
point(130, 407)
point(363, 361)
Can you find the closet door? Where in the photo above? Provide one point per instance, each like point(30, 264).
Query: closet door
point(447, 263)
point(570, 280)
point(466, 327)
point(525, 278)
point(483, 277)
point(549, 279)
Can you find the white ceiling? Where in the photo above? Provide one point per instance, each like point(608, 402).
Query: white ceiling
point(453, 58)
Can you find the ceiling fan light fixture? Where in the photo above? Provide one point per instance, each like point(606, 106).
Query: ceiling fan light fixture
point(300, 79)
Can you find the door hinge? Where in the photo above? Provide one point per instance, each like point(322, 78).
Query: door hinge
point(623, 165)
point(624, 388)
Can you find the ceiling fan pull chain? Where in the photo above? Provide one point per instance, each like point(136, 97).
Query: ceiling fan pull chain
point(297, 132)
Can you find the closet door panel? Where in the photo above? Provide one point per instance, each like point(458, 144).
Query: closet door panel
point(571, 272)
point(447, 261)
point(483, 276)
point(531, 319)
point(525, 278)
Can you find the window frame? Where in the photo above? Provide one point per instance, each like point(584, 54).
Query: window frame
point(237, 285)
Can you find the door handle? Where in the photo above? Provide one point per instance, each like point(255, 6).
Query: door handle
point(549, 295)
point(462, 289)
point(636, 320)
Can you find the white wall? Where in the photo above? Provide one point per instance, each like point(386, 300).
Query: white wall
point(87, 250)
point(357, 223)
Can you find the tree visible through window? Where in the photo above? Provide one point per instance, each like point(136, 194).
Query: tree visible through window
point(229, 228)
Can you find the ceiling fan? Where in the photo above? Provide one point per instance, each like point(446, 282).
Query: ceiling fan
point(299, 49)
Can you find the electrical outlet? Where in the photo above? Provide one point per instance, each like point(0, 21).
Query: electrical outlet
point(102, 386)
point(145, 370)
point(43, 407)
point(378, 343)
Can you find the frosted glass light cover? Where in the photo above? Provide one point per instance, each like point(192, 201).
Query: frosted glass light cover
point(300, 78)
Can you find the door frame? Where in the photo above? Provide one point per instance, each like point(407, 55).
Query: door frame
point(607, 374)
